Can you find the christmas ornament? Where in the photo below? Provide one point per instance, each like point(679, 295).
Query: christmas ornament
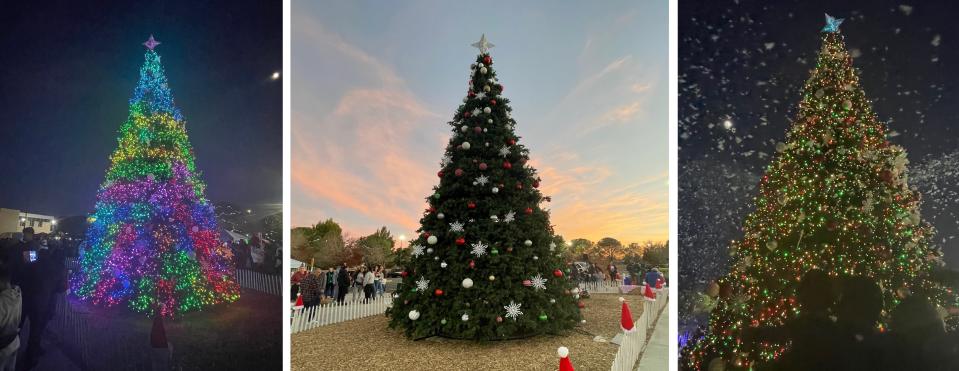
point(443, 265)
point(528, 211)
point(513, 310)
point(543, 317)
point(832, 24)
point(465, 145)
point(558, 273)
point(492, 278)
point(482, 166)
point(466, 317)
point(471, 205)
point(495, 190)
point(467, 283)
point(528, 243)
point(507, 165)
point(431, 240)
point(414, 315)
point(438, 292)
point(460, 241)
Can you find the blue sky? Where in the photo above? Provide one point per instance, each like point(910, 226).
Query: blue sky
point(374, 84)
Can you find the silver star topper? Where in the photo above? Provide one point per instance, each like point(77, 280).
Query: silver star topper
point(483, 45)
point(151, 43)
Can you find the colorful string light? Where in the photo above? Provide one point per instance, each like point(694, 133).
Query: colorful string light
point(153, 241)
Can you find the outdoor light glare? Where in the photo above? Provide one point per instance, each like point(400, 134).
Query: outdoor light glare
point(276, 75)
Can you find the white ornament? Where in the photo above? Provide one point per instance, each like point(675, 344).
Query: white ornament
point(465, 145)
point(483, 70)
point(552, 246)
point(528, 243)
point(481, 95)
point(422, 284)
point(487, 110)
point(466, 317)
point(436, 258)
point(440, 216)
point(539, 282)
point(432, 240)
point(489, 121)
point(417, 250)
point(456, 226)
point(495, 190)
point(494, 218)
point(467, 283)
point(475, 111)
point(443, 265)
point(513, 310)
point(464, 128)
point(492, 278)
point(482, 180)
point(575, 290)
point(535, 257)
point(552, 301)
point(479, 249)
point(414, 315)
point(510, 216)
point(429, 250)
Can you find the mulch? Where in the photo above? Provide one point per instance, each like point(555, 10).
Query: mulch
point(368, 343)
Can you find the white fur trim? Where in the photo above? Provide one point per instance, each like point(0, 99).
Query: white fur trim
point(563, 352)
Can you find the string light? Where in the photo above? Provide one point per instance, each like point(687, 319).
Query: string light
point(153, 241)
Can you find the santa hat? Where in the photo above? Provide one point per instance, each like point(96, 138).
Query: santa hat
point(626, 320)
point(564, 363)
point(158, 333)
point(659, 283)
point(299, 301)
point(649, 293)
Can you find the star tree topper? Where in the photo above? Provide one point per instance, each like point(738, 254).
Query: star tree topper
point(151, 43)
point(832, 24)
point(483, 45)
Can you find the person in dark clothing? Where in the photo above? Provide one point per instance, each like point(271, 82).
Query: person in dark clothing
point(812, 333)
point(917, 338)
point(343, 281)
point(30, 271)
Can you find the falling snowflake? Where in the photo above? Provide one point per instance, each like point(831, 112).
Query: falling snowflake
point(479, 249)
point(422, 284)
point(512, 310)
point(446, 160)
point(503, 152)
point(539, 282)
point(456, 226)
point(510, 216)
point(417, 250)
point(482, 180)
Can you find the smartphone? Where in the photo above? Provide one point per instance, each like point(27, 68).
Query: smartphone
point(33, 256)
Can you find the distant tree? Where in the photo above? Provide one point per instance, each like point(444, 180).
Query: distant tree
point(609, 249)
point(377, 248)
point(578, 248)
point(657, 254)
point(323, 244)
point(272, 226)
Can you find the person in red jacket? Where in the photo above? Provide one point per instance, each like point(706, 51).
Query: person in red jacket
point(298, 276)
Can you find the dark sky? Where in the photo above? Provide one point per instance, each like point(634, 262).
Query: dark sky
point(68, 69)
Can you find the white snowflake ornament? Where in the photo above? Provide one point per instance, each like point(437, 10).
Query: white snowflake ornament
point(417, 250)
point(479, 249)
point(513, 310)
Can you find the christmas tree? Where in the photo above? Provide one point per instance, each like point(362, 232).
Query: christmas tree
point(484, 265)
point(834, 198)
point(153, 241)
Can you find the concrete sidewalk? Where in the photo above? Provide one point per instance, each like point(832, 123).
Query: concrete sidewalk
point(656, 355)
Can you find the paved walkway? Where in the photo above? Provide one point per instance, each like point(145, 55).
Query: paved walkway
point(656, 355)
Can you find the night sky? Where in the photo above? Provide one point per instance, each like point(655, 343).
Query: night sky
point(68, 70)
point(746, 62)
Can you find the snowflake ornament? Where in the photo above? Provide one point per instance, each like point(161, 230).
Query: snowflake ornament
point(481, 95)
point(456, 226)
point(513, 310)
point(503, 152)
point(510, 216)
point(539, 282)
point(479, 249)
point(417, 250)
point(422, 284)
point(475, 112)
point(482, 180)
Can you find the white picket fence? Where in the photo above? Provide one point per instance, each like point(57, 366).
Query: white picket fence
point(602, 287)
point(326, 314)
point(265, 283)
point(635, 343)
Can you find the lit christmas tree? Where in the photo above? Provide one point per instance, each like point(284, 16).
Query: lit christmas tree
point(835, 198)
point(484, 265)
point(153, 241)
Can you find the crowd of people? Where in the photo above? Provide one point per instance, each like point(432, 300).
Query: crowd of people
point(836, 329)
point(336, 283)
point(258, 254)
point(32, 274)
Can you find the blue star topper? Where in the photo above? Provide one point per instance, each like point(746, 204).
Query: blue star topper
point(832, 24)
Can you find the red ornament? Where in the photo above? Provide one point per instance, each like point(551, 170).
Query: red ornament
point(439, 174)
point(471, 205)
point(558, 273)
point(499, 319)
point(432, 209)
point(581, 305)
point(507, 165)
point(466, 114)
point(529, 210)
point(404, 273)
point(536, 184)
point(509, 249)
point(487, 60)
point(511, 142)
point(461, 241)
point(482, 166)
point(458, 172)
point(492, 102)
point(527, 283)
point(472, 264)
point(439, 292)
point(426, 234)
point(477, 129)
point(519, 185)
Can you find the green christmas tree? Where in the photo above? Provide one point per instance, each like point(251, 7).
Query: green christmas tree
point(835, 198)
point(485, 265)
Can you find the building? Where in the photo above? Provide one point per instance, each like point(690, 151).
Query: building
point(13, 221)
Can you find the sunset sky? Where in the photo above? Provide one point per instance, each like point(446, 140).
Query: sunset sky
point(587, 84)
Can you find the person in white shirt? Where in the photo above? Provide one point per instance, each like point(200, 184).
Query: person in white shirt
point(11, 304)
point(378, 286)
point(368, 279)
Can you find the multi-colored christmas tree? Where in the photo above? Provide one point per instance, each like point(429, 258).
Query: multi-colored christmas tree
point(835, 198)
point(485, 265)
point(153, 241)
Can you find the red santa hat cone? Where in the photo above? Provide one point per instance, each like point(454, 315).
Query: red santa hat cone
point(626, 320)
point(299, 301)
point(564, 363)
point(649, 294)
point(659, 283)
